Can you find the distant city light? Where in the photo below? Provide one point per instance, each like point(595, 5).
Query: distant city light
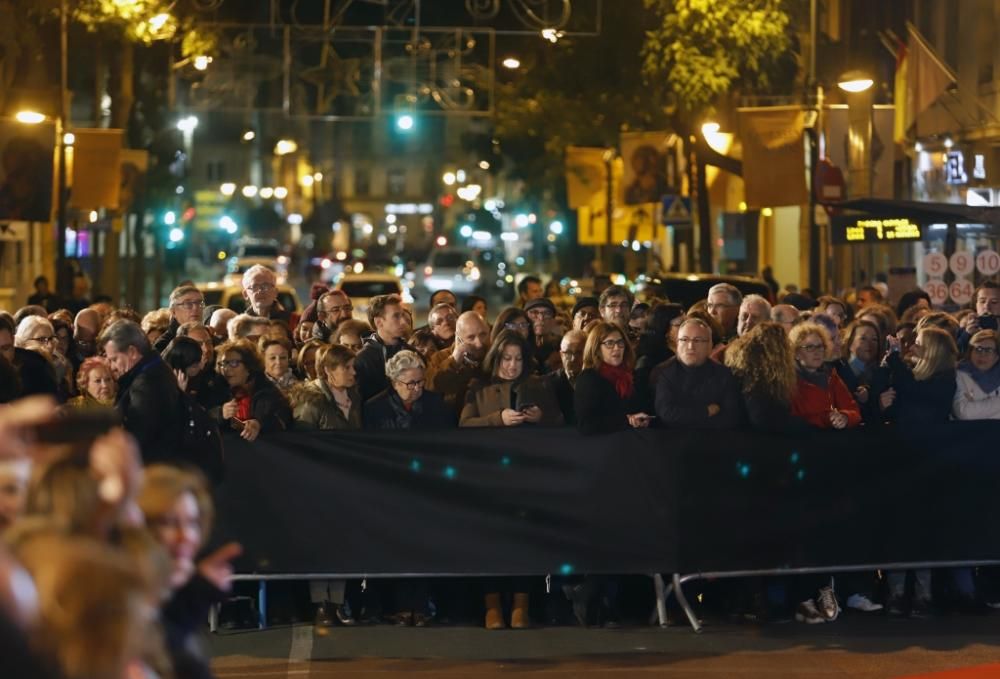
point(441, 241)
point(390, 218)
point(170, 218)
point(481, 235)
point(460, 176)
point(201, 62)
point(227, 189)
point(249, 135)
point(552, 35)
point(521, 220)
point(249, 191)
point(176, 235)
point(29, 117)
point(448, 178)
point(405, 122)
point(556, 227)
point(295, 218)
point(266, 192)
point(280, 192)
point(306, 180)
point(710, 128)
point(512, 63)
point(484, 164)
point(227, 224)
point(465, 231)
point(69, 139)
point(508, 236)
point(285, 146)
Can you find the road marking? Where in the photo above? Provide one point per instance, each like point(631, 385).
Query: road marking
point(301, 650)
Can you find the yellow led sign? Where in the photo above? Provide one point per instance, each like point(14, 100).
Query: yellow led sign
point(875, 230)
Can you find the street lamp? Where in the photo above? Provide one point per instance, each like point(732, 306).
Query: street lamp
point(855, 81)
point(512, 63)
point(285, 146)
point(187, 125)
point(29, 117)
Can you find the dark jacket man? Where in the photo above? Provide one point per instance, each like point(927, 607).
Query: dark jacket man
point(684, 395)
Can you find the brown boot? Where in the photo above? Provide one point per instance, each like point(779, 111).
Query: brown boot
point(519, 614)
point(494, 613)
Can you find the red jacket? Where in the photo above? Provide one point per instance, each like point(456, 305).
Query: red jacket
point(813, 404)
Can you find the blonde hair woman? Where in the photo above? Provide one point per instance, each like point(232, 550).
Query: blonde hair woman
point(923, 393)
point(977, 396)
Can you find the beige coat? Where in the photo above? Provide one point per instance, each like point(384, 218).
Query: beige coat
point(486, 400)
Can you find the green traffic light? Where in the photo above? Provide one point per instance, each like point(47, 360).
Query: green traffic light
point(405, 122)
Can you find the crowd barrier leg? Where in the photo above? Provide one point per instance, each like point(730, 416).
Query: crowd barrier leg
point(262, 604)
point(662, 594)
point(213, 618)
point(682, 600)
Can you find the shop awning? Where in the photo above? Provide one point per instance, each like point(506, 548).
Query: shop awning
point(923, 212)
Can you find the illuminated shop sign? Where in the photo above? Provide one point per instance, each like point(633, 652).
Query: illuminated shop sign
point(848, 230)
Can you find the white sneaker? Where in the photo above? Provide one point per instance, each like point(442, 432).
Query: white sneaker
point(826, 604)
point(860, 602)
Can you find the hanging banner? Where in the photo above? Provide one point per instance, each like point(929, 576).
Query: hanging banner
point(652, 166)
point(96, 169)
point(26, 161)
point(774, 156)
point(634, 223)
point(586, 175)
point(883, 149)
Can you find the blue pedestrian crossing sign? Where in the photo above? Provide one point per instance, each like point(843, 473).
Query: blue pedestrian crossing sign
point(676, 210)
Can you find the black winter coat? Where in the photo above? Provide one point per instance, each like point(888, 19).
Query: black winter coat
point(267, 405)
point(369, 365)
point(38, 375)
point(919, 402)
point(183, 616)
point(599, 408)
point(149, 402)
point(683, 395)
point(386, 412)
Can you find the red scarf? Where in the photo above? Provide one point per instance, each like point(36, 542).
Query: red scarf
point(620, 376)
point(242, 398)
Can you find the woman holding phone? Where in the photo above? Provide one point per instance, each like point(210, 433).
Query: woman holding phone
point(606, 398)
point(511, 396)
point(257, 407)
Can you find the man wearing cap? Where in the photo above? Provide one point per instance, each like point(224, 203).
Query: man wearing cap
point(542, 314)
point(584, 311)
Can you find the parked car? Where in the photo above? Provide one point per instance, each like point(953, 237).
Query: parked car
point(361, 287)
point(252, 251)
point(452, 269)
point(687, 288)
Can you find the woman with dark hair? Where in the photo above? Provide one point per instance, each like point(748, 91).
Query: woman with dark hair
point(859, 369)
point(514, 320)
point(257, 407)
point(332, 400)
point(305, 362)
point(475, 303)
point(606, 398)
point(913, 298)
point(184, 356)
point(511, 395)
point(277, 355)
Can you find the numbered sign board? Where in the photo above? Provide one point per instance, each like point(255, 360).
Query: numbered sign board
point(988, 262)
point(961, 291)
point(962, 263)
point(935, 265)
point(937, 289)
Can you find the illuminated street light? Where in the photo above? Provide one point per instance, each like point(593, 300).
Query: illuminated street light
point(69, 139)
point(201, 62)
point(460, 176)
point(710, 128)
point(266, 192)
point(512, 63)
point(552, 35)
point(29, 117)
point(318, 176)
point(855, 81)
point(405, 122)
point(227, 189)
point(249, 135)
point(170, 218)
point(176, 235)
point(159, 21)
point(284, 147)
point(484, 165)
point(280, 192)
point(948, 143)
point(556, 227)
point(249, 191)
point(306, 180)
point(448, 178)
point(187, 124)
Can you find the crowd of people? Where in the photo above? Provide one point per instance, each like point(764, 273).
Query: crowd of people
point(184, 378)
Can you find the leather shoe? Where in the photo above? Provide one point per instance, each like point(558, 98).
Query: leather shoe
point(323, 617)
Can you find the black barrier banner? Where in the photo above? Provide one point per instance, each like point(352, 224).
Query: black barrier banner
point(536, 501)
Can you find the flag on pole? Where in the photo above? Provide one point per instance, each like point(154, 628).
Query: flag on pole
point(774, 156)
point(926, 78)
point(900, 125)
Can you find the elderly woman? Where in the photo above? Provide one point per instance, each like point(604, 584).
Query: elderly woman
point(606, 397)
point(155, 323)
point(821, 399)
point(257, 406)
point(96, 384)
point(406, 404)
point(510, 396)
point(277, 353)
point(179, 514)
point(859, 368)
point(34, 343)
point(977, 393)
point(332, 400)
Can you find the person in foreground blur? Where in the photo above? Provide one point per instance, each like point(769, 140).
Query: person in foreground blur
point(605, 397)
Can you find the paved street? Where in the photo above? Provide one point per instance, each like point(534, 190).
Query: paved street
point(868, 648)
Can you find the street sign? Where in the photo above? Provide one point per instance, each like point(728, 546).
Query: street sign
point(676, 210)
point(988, 262)
point(962, 263)
point(935, 264)
point(961, 291)
point(937, 290)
